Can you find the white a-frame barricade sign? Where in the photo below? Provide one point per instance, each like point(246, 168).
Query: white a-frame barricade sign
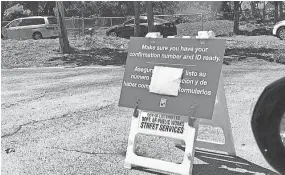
point(172, 85)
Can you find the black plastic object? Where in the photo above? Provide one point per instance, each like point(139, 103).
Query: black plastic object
point(265, 123)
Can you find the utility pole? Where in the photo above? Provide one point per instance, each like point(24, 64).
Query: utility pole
point(137, 18)
point(150, 16)
point(63, 38)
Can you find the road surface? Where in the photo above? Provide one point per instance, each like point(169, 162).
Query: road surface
point(67, 121)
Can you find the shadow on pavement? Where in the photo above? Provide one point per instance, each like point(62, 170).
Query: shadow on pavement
point(146, 170)
point(226, 164)
point(93, 56)
point(219, 164)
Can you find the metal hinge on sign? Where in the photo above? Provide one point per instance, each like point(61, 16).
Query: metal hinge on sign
point(192, 116)
point(136, 111)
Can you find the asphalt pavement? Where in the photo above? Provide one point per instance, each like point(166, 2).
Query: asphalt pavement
point(67, 121)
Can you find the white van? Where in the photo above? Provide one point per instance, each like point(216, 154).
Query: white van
point(36, 27)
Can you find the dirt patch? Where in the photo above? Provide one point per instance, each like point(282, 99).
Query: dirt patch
point(103, 50)
point(267, 48)
point(96, 50)
point(220, 27)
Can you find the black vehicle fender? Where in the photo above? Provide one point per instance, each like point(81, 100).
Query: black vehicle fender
point(265, 123)
point(143, 30)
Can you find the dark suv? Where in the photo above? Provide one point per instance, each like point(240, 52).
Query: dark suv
point(126, 30)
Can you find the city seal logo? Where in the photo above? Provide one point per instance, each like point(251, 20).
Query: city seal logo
point(163, 102)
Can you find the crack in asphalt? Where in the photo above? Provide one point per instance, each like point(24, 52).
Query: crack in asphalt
point(63, 90)
point(53, 118)
point(33, 122)
point(86, 152)
point(4, 106)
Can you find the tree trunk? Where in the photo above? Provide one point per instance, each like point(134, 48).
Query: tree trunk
point(150, 16)
point(3, 8)
point(236, 17)
point(162, 8)
point(51, 11)
point(137, 18)
point(263, 14)
point(275, 12)
point(63, 39)
point(281, 10)
point(240, 9)
point(48, 8)
point(252, 6)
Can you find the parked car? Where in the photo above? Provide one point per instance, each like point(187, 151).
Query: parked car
point(36, 27)
point(126, 30)
point(267, 124)
point(279, 30)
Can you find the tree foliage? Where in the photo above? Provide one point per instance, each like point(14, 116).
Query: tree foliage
point(90, 8)
point(35, 8)
point(126, 8)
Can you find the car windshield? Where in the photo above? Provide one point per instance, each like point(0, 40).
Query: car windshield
point(129, 22)
point(144, 20)
point(52, 20)
point(14, 23)
point(159, 20)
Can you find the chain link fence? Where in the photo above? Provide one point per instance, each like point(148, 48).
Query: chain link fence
point(187, 24)
point(79, 26)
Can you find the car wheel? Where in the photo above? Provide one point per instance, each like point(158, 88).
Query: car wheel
point(113, 33)
point(37, 36)
point(281, 33)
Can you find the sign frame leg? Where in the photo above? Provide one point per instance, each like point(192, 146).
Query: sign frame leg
point(220, 119)
point(132, 140)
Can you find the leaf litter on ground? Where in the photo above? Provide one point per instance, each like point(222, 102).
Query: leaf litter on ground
point(104, 50)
